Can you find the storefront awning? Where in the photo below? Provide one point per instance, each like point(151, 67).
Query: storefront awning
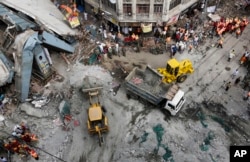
point(173, 19)
point(44, 13)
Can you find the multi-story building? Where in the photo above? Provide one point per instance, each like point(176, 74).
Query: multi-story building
point(134, 12)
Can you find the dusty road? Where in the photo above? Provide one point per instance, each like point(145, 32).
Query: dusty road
point(211, 120)
point(209, 123)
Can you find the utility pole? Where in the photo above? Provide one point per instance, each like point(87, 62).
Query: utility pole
point(204, 12)
point(217, 4)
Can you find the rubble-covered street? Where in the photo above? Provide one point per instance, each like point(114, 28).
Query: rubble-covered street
point(56, 108)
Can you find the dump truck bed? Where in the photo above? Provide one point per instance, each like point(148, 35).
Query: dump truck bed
point(146, 84)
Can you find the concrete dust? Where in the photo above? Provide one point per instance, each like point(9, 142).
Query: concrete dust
point(131, 136)
point(210, 121)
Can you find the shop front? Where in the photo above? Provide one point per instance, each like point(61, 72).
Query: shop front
point(136, 27)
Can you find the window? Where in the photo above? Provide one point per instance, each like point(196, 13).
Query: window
point(127, 9)
point(158, 8)
point(142, 9)
point(174, 3)
point(109, 4)
point(171, 106)
point(180, 102)
point(170, 70)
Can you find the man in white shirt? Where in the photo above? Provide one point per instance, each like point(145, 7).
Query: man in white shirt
point(231, 55)
point(85, 16)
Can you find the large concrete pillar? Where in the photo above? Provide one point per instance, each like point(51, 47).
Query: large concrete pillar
point(165, 10)
point(134, 10)
point(151, 9)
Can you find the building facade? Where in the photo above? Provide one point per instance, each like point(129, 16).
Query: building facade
point(134, 12)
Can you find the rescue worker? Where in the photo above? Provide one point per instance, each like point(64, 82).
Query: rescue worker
point(13, 145)
point(32, 152)
point(26, 137)
point(244, 24)
point(238, 32)
point(220, 43)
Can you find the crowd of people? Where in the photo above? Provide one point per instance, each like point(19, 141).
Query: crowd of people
point(188, 36)
point(232, 25)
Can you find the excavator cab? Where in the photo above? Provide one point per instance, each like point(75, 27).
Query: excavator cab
point(173, 67)
point(176, 71)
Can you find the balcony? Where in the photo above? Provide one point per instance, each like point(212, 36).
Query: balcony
point(142, 17)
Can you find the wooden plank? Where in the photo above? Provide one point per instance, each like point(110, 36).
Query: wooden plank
point(91, 89)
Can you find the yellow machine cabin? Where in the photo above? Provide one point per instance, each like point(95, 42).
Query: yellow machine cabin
point(97, 122)
point(176, 71)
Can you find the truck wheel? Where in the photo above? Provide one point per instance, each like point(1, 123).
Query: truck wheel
point(128, 96)
point(181, 78)
point(167, 115)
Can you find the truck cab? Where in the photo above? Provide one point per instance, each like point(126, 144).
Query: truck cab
point(175, 100)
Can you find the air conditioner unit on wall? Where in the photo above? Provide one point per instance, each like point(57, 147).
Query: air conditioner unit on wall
point(158, 1)
point(112, 1)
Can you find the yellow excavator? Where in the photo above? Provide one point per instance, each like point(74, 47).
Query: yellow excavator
point(176, 71)
point(97, 122)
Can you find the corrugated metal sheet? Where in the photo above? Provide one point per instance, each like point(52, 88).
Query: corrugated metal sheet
point(45, 13)
point(57, 43)
point(9, 17)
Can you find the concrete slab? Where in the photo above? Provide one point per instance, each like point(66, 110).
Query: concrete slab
point(31, 111)
point(44, 13)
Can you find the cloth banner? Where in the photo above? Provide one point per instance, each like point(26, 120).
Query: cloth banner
point(146, 28)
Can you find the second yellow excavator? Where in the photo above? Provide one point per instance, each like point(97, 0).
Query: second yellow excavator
point(176, 71)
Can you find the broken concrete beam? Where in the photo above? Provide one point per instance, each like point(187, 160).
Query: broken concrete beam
point(31, 111)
